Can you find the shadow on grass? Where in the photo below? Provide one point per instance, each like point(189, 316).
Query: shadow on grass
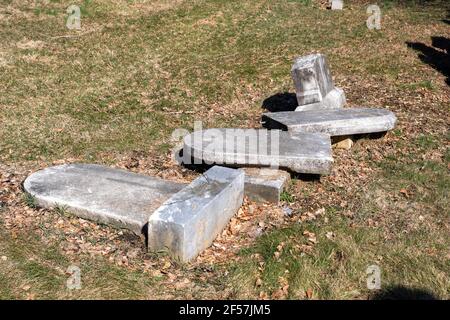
point(447, 20)
point(437, 55)
point(281, 102)
point(403, 293)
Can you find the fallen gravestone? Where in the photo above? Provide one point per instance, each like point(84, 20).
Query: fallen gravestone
point(314, 85)
point(195, 213)
point(264, 184)
point(302, 153)
point(189, 221)
point(106, 195)
point(335, 122)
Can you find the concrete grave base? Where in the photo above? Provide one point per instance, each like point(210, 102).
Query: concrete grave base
point(335, 99)
point(264, 184)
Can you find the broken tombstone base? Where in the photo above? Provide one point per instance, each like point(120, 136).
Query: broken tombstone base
point(335, 99)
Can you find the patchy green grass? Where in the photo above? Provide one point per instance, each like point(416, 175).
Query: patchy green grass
point(36, 269)
point(287, 197)
point(128, 78)
point(400, 225)
point(137, 70)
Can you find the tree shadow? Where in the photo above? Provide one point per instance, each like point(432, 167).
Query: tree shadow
point(285, 101)
point(403, 293)
point(437, 56)
point(447, 20)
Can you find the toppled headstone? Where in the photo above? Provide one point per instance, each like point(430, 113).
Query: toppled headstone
point(302, 153)
point(264, 184)
point(106, 195)
point(314, 85)
point(189, 221)
point(183, 218)
point(335, 122)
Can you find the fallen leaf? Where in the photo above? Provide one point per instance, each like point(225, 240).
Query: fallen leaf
point(263, 295)
point(310, 236)
point(309, 293)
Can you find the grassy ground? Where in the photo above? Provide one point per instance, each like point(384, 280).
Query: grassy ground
point(114, 91)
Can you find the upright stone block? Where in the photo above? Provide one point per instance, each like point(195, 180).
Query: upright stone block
point(337, 122)
point(189, 221)
point(314, 85)
point(302, 153)
point(106, 195)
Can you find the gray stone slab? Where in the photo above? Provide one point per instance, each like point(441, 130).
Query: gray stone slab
point(106, 195)
point(314, 85)
point(264, 184)
point(302, 153)
point(335, 122)
point(189, 221)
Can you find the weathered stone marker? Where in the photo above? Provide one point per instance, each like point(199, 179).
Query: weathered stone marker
point(106, 195)
point(189, 221)
point(335, 122)
point(264, 184)
point(314, 85)
point(303, 153)
point(182, 218)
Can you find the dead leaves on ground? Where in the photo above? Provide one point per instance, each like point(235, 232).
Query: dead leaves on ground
point(251, 221)
point(79, 239)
